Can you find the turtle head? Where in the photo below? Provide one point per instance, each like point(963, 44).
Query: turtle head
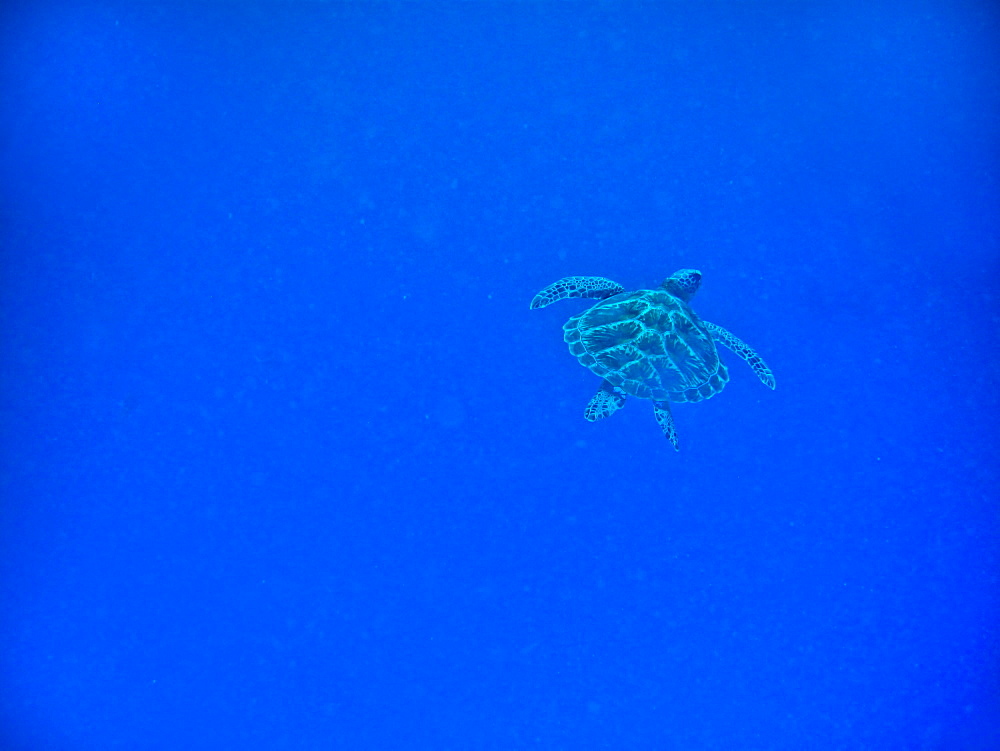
point(683, 283)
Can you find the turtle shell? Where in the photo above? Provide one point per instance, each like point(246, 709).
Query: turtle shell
point(650, 344)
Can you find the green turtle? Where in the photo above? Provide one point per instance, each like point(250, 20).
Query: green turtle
point(648, 344)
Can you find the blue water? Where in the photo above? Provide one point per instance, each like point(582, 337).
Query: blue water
point(288, 463)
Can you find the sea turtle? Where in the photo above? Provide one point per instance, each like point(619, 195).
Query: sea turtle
point(648, 344)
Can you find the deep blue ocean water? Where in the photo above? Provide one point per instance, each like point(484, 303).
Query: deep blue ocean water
point(288, 463)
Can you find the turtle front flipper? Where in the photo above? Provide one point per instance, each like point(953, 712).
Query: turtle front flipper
point(605, 403)
point(666, 421)
point(744, 350)
point(595, 287)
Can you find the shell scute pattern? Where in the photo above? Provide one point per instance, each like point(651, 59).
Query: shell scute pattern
point(648, 343)
point(612, 336)
point(614, 359)
point(610, 312)
point(656, 318)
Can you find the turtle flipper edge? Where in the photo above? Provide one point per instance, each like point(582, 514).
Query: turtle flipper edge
point(605, 403)
point(577, 286)
point(744, 350)
point(666, 421)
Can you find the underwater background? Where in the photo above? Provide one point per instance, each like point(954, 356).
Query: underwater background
point(288, 463)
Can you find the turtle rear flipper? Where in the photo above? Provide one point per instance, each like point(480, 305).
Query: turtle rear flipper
point(666, 421)
point(744, 350)
point(577, 286)
point(605, 403)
